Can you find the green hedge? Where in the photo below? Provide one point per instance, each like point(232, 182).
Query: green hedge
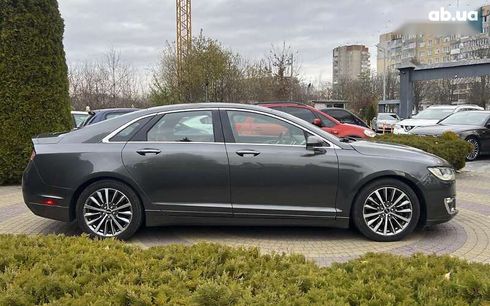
point(448, 146)
point(80, 271)
point(33, 80)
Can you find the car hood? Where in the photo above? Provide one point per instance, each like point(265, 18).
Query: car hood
point(397, 151)
point(418, 122)
point(438, 129)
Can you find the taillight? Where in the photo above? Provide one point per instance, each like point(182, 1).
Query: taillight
point(33, 154)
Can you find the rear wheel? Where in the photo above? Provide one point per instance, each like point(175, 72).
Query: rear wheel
point(476, 148)
point(109, 208)
point(386, 210)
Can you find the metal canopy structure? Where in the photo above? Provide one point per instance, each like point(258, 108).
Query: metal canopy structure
point(411, 73)
point(184, 29)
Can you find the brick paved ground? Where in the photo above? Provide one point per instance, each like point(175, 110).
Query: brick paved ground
point(466, 236)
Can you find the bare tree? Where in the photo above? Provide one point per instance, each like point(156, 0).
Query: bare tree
point(106, 82)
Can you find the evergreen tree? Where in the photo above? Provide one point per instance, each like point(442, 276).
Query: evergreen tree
point(33, 80)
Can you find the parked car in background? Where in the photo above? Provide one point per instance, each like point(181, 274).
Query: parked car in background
point(147, 168)
point(322, 120)
point(384, 122)
point(431, 116)
point(474, 127)
point(344, 116)
point(79, 118)
point(104, 114)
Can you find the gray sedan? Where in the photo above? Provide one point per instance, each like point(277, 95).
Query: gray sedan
point(255, 166)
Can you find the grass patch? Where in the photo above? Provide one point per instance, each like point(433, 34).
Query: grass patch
point(447, 146)
point(80, 271)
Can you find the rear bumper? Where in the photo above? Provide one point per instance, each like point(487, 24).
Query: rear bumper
point(44, 200)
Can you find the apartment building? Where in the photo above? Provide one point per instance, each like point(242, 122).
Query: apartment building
point(349, 62)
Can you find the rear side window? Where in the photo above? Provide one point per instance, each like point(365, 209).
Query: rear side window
point(128, 132)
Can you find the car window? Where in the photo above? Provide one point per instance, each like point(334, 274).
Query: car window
point(261, 129)
point(114, 115)
point(466, 118)
point(434, 113)
point(128, 132)
point(300, 112)
point(194, 126)
point(79, 119)
point(341, 115)
point(387, 116)
point(326, 121)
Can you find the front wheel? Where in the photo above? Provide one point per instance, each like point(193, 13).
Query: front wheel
point(386, 210)
point(476, 149)
point(109, 208)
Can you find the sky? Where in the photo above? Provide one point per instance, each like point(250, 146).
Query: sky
point(139, 29)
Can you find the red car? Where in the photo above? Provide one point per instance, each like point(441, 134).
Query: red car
point(322, 120)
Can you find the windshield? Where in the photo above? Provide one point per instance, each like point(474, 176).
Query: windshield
point(387, 117)
point(466, 118)
point(434, 113)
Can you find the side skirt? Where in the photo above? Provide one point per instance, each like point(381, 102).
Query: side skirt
point(158, 218)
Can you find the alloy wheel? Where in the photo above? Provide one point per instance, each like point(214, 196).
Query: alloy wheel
point(476, 149)
point(387, 211)
point(107, 212)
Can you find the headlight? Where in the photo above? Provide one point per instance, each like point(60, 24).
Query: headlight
point(369, 133)
point(443, 173)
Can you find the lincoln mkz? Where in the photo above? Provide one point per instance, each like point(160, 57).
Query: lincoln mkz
point(232, 164)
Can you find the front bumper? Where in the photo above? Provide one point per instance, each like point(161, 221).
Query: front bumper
point(440, 201)
point(44, 200)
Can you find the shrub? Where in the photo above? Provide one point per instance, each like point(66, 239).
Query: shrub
point(80, 271)
point(33, 80)
point(447, 146)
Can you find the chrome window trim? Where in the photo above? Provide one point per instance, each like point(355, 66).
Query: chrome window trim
point(116, 131)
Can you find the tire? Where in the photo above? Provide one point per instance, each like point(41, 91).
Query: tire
point(476, 149)
point(109, 208)
point(401, 217)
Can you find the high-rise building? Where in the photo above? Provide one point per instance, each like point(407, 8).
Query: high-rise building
point(349, 62)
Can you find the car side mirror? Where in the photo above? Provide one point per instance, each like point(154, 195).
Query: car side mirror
point(315, 144)
point(317, 122)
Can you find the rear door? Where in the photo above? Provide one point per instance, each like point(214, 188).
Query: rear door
point(179, 160)
point(274, 175)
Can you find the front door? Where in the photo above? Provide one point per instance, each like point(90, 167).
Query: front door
point(271, 172)
point(180, 162)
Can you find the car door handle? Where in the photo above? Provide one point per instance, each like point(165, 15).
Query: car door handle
point(247, 152)
point(145, 151)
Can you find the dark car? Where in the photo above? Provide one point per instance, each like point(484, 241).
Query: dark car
point(344, 116)
point(323, 121)
point(472, 126)
point(166, 165)
point(104, 114)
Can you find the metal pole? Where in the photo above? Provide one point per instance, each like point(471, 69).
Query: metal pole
point(291, 85)
point(384, 74)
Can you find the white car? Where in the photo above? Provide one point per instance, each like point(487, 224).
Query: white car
point(384, 122)
point(431, 116)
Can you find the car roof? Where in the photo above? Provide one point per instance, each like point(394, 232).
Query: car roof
point(453, 106)
point(122, 109)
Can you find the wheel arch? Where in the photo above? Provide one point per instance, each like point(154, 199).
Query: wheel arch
point(402, 178)
point(104, 176)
